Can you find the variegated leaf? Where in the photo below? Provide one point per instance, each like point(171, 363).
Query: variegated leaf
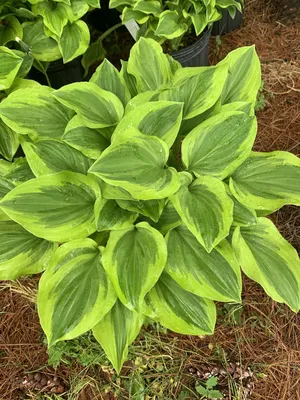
point(57, 207)
point(267, 180)
point(42, 47)
point(10, 64)
point(35, 113)
point(129, 79)
point(171, 25)
point(141, 99)
point(5, 186)
point(242, 215)
point(55, 15)
point(220, 144)
point(22, 253)
point(179, 310)
point(244, 78)
point(149, 208)
point(215, 275)
point(267, 258)
point(136, 163)
point(90, 142)
point(206, 209)
point(111, 192)
point(168, 220)
point(96, 107)
point(9, 141)
point(198, 88)
point(10, 28)
point(149, 65)
point(134, 259)
point(110, 216)
point(18, 171)
point(107, 77)
point(160, 118)
point(74, 292)
point(78, 8)
point(74, 40)
point(116, 331)
point(48, 156)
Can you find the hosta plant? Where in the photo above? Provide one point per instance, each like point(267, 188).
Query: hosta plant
point(14, 64)
point(171, 20)
point(140, 197)
point(48, 29)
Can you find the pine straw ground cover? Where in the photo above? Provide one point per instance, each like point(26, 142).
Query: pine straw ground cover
point(259, 334)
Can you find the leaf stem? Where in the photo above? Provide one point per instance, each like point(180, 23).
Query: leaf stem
point(109, 31)
point(44, 72)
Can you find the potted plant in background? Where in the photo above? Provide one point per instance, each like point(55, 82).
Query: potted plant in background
point(231, 19)
point(46, 35)
point(52, 32)
point(173, 23)
point(140, 196)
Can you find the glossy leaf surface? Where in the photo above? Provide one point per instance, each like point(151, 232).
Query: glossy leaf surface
point(74, 292)
point(57, 207)
point(215, 275)
point(134, 259)
point(267, 258)
point(180, 310)
point(116, 331)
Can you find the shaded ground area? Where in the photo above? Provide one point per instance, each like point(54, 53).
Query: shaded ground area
point(286, 10)
point(260, 334)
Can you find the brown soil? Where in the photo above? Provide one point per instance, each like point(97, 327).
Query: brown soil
point(266, 336)
point(286, 11)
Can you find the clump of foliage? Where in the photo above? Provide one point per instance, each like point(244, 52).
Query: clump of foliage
point(171, 20)
point(140, 196)
point(208, 391)
point(83, 350)
point(46, 29)
point(14, 64)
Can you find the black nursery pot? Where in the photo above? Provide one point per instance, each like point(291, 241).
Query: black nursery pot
point(226, 24)
point(59, 74)
point(195, 55)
